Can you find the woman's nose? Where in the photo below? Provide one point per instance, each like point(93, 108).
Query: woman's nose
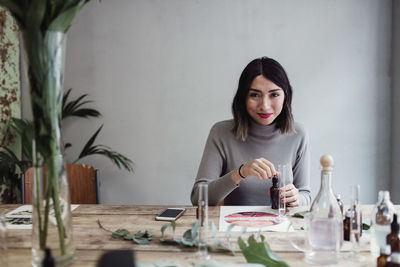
point(265, 103)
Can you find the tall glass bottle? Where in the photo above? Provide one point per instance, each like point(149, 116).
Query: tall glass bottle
point(325, 236)
point(382, 216)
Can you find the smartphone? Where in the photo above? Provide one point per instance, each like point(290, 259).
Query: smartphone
point(170, 214)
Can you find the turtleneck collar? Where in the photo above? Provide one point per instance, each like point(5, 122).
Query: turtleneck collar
point(256, 129)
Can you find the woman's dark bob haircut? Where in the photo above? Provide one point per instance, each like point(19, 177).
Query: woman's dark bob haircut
point(274, 72)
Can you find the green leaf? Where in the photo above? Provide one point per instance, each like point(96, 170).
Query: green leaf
point(35, 13)
point(141, 241)
point(73, 107)
point(165, 226)
point(260, 252)
point(63, 21)
point(187, 235)
point(214, 235)
point(89, 144)
point(228, 231)
point(173, 224)
point(365, 226)
point(120, 233)
point(300, 214)
point(195, 228)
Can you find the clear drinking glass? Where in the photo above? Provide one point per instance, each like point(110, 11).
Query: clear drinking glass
point(282, 169)
point(202, 206)
point(3, 241)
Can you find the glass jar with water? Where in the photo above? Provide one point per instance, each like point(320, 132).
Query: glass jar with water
point(324, 222)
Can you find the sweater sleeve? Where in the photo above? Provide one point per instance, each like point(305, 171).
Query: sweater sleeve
point(301, 171)
point(211, 171)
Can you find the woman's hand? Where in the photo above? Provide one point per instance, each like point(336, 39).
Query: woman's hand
point(292, 195)
point(261, 168)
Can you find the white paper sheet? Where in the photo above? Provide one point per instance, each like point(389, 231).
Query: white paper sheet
point(255, 218)
point(21, 217)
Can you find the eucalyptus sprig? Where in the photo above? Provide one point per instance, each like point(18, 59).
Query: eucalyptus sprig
point(141, 237)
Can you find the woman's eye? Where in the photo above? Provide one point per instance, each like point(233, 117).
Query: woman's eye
point(275, 94)
point(254, 95)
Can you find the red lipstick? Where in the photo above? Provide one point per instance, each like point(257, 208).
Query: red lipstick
point(265, 115)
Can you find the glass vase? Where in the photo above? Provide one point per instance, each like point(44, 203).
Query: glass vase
point(44, 54)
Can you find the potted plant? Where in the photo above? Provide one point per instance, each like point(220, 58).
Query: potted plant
point(75, 108)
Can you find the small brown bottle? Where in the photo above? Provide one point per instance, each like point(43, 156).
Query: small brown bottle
point(393, 239)
point(384, 258)
point(346, 224)
point(274, 193)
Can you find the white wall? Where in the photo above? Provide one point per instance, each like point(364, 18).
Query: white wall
point(162, 72)
point(395, 182)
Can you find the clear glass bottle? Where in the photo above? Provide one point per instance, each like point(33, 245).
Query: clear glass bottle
point(382, 216)
point(325, 236)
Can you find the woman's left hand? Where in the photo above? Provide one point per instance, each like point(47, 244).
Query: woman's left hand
point(292, 195)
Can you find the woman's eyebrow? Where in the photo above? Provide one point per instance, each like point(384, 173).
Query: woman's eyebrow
point(274, 90)
point(260, 91)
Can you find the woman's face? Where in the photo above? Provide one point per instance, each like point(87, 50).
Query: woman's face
point(264, 100)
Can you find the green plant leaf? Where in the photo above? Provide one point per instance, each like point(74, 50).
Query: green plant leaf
point(300, 214)
point(141, 241)
point(118, 159)
point(25, 130)
point(260, 252)
point(35, 13)
point(73, 107)
point(195, 229)
point(63, 20)
point(120, 233)
point(365, 226)
point(165, 226)
point(214, 235)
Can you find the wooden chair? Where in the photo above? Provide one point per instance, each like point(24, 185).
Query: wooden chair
point(82, 181)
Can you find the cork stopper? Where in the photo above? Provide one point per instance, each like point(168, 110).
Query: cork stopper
point(326, 163)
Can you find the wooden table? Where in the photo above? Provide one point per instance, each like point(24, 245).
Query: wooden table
point(91, 241)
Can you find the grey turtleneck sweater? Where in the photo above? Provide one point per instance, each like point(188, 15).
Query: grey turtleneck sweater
point(224, 153)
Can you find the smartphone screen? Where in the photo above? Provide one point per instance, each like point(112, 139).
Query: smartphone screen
point(170, 214)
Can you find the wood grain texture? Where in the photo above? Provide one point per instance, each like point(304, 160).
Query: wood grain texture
point(91, 241)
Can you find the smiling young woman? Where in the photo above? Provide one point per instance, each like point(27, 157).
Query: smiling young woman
point(241, 155)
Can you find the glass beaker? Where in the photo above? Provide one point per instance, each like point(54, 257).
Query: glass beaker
point(355, 225)
point(283, 177)
point(202, 206)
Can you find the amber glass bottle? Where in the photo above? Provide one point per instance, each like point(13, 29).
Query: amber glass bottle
point(346, 224)
point(393, 238)
point(274, 193)
point(384, 258)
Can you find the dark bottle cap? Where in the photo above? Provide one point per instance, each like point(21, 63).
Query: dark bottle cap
point(48, 260)
point(275, 180)
point(394, 225)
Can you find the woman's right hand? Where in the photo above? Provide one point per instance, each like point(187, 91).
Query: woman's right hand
point(261, 168)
